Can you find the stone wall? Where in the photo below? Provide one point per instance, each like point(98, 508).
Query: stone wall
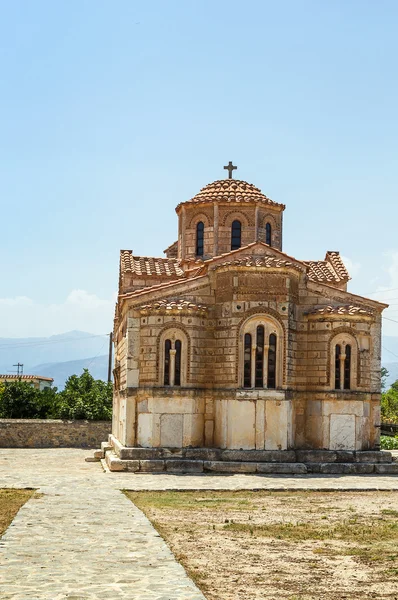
point(47, 433)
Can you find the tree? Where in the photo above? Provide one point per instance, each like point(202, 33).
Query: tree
point(21, 400)
point(384, 375)
point(85, 398)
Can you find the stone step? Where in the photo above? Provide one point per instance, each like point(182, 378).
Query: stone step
point(172, 465)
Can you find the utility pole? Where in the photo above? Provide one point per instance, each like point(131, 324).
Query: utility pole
point(19, 367)
point(110, 357)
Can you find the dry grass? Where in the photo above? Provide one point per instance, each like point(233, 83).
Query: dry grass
point(10, 503)
point(281, 545)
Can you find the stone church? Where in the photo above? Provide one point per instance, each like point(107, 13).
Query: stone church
point(227, 345)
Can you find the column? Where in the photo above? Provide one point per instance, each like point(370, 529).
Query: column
point(265, 365)
point(342, 358)
point(253, 373)
point(256, 219)
point(172, 365)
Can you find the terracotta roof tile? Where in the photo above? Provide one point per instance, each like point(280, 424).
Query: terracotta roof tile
point(347, 309)
point(231, 190)
point(330, 270)
point(26, 377)
point(147, 266)
point(179, 305)
point(261, 261)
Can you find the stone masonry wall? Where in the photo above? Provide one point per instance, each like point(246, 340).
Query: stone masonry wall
point(46, 433)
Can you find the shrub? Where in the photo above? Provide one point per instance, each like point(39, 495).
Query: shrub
point(20, 400)
point(388, 443)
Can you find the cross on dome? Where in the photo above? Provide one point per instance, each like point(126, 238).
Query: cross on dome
point(230, 167)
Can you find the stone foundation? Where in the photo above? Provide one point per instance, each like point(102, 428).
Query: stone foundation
point(279, 462)
point(52, 433)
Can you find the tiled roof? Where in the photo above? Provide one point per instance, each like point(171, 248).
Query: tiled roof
point(261, 261)
point(26, 377)
point(148, 265)
point(174, 305)
point(347, 309)
point(231, 190)
point(330, 270)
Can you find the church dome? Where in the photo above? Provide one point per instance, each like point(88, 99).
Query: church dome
point(231, 191)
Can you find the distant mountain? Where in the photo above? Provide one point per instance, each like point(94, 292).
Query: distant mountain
point(70, 346)
point(98, 367)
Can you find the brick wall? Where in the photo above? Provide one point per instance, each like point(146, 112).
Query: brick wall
point(46, 433)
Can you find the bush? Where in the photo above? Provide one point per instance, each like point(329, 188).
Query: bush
point(388, 443)
point(389, 405)
point(83, 398)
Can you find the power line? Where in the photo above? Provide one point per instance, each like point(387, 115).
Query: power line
point(384, 348)
point(46, 342)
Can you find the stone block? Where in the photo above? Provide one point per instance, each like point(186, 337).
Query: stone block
point(282, 468)
point(184, 466)
point(202, 453)
point(375, 456)
point(114, 463)
point(337, 468)
point(259, 455)
point(140, 453)
point(151, 466)
point(345, 456)
point(230, 467)
point(387, 469)
point(132, 466)
point(316, 456)
point(98, 454)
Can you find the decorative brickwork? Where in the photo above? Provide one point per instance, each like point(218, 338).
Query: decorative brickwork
point(256, 340)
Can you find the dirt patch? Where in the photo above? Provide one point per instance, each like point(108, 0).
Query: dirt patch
point(281, 545)
point(10, 503)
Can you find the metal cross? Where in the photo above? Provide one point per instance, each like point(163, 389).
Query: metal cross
point(230, 167)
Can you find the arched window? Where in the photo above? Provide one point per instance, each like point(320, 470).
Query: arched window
point(247, 368)
point(271, 383)
point(344, 355)
point(172, 362)
point(262, 360)
point(200, 230)
point(268, 232)
point(236, 235)
point(167, 348)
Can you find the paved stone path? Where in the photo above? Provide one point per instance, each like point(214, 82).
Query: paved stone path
point(84, 540)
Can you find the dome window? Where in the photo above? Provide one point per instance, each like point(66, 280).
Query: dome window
point(236, 235)
point(200, 234)
point(268, 234)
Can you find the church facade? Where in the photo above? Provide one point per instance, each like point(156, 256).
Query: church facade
point(228, 343)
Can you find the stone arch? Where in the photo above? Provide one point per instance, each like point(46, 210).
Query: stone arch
point(201, 216)
point(256, 315)
point(177, 331)
point(233, 215)
point(343, 336)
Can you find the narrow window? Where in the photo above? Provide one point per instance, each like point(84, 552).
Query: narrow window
point(272, 362)
point(177, 376)
point(268, 232)
point(259, 380)
point(337, 367)
point(167, 348)
point(236, 235)
point(200, 230)
point(247, 369)
point(347, 367)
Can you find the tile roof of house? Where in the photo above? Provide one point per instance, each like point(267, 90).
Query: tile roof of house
point(330, 270)
point(231, 190)
point(346, 309)
point(174, 305)
point(147, 265)
point(26, 377)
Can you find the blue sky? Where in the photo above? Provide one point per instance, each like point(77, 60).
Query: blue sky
point(111, 113)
